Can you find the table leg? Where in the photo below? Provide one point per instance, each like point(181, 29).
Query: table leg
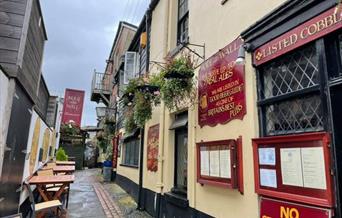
point(67, 203)
point(60, 191)
point(42, 192)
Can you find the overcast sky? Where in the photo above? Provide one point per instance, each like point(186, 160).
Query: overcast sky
point(80, 36)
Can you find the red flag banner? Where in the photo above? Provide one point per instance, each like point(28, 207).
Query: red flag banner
point(73, 106)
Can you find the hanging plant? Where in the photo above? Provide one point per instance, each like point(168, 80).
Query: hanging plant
point(129, 120)
point(177, 87)
point(141, 95)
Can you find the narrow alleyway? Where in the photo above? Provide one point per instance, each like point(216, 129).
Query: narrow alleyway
point(90, 197)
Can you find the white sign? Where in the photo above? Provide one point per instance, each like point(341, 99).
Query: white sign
point(267, 156)
point(268, 178)
point(313, 168)
point(291, 167)
point(204, 162)
point(215, 163)
point(225, 164)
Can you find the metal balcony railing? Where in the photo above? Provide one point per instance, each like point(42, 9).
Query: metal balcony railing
point(101, 87)
point(101, 82)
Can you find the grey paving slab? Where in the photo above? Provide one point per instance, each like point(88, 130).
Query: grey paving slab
point(83, 201)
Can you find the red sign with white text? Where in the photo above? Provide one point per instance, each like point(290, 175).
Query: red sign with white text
point(315, 28)
point(280, 209)
point(73, 106)
point(222, 87)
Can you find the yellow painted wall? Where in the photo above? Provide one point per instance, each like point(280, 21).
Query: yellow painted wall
point(215, 25)
point(128, 172)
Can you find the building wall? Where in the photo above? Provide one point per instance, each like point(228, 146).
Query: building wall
point(6, 94)
point(12, 15)
point(215, 25)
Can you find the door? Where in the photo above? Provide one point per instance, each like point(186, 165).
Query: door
point(15, 152)
point(333, 58)
point(181, 161)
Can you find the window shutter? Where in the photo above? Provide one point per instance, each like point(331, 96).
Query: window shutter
point(130, 66)
point(137, 66)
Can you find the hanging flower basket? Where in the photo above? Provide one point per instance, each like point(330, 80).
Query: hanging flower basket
point(143, 96)
point(177, 88)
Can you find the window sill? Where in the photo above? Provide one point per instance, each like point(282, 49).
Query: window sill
point(130, 166)
point(177, 199)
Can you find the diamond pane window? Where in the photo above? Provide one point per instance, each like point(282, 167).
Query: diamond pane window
point(293, 72)
point(299, 115)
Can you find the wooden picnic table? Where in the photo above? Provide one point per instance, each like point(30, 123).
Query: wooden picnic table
point(65, 163)
point(68, 169)
point(42, 181)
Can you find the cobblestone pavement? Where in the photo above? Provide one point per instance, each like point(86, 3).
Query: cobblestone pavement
point(91, 197)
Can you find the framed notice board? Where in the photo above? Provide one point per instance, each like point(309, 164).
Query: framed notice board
point(219, 163)
point(295, 168)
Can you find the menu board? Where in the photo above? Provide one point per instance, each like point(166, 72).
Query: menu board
point(313, 168)
point(204, 162)
point(294, 167)
point(303, 167)
point(291, 166)
point(215, 163)
point(225, 164)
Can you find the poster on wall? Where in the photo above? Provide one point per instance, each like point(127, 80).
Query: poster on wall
point(73, 106)
point(152, 148)
point(221, 87)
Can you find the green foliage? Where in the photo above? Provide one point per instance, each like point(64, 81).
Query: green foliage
point(70, 129)
point(129, 120)
point(179, 85)
point(60, 155)
point(175, 83)
point(141, 103)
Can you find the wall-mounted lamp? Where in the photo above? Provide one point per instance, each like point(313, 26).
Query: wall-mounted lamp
point(241, 54)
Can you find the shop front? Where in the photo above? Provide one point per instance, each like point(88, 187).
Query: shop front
point(296, 51)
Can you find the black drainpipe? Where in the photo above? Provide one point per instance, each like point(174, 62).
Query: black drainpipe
point(141, 163)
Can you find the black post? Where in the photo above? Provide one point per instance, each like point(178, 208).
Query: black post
point(141, 163)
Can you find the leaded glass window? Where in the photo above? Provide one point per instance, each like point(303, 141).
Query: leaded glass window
point(289, 95)
point(293, 72)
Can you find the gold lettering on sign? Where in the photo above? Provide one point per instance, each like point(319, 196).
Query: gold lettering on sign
point(306, 32)
point(289, 212)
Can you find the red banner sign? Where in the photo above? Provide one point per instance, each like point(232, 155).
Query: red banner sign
point(152, 148)
point(279, 209)
point(73, 106)
point(222, 87)
point(315, 28)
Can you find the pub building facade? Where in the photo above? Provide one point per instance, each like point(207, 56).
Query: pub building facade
point(263, 138)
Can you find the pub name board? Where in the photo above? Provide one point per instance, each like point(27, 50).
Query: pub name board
point(315, 28)
point(222, 87)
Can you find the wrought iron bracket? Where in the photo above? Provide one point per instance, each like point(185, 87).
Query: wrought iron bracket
point(186, 45)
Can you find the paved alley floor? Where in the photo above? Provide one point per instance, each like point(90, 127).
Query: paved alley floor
point(90, 197)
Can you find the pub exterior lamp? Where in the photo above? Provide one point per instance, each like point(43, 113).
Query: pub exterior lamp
point(241, 54)
point(101, 112)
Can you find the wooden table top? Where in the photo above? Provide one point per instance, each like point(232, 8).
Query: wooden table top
point(64, 168)
point(52, 179)
point(65, 162)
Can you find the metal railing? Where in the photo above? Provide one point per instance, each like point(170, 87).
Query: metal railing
point(101, 82)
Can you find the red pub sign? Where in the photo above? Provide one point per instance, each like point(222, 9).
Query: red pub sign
point(315, 28)
point(280, 209)
point(222, 87)
point(73, 106)
point(152, 148)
